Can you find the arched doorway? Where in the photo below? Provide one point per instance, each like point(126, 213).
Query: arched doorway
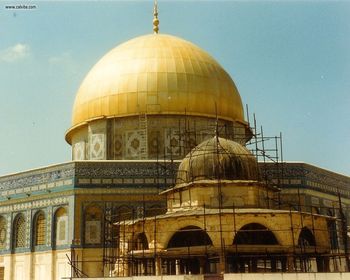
point(255, 249)
point(189, 246)
point(140, 242)
point(307, 261)
point(255, 234)
point(306, 238)
point(188, 237)
point(142, 264)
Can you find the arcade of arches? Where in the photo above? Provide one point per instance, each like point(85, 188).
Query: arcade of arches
point(249, 241)
point(202, 231)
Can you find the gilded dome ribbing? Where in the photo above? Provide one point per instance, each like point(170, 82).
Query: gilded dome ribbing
point(156, 74)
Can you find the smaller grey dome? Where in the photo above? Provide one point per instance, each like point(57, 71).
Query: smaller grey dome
point(218, 158)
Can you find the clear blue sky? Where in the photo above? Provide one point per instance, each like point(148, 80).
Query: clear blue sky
point(289, 59)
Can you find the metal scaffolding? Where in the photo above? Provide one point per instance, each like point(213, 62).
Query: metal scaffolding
point(128, 252)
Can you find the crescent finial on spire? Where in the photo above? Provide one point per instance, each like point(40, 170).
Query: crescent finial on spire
point(155, 18)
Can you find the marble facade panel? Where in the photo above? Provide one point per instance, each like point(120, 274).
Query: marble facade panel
point(125, 136)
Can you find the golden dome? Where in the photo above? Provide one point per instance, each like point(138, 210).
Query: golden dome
point(156, 74)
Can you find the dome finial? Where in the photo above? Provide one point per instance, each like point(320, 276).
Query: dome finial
point(155, 17)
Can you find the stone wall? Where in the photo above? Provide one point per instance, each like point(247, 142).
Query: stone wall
point(239, 276)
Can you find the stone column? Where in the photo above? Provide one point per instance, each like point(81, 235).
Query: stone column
point(177, 267)
point(284, 264)
point(290, 264)
point(254, 265)
point(222, 264)
point(201, 266)
point(241, 266)
point(322, 264)
point(273, 264)
point(158, 266)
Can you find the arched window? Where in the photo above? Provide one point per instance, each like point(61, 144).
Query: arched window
point(154, 210)
point(315, 210)
point(93, 225)
point(255, 234)
point(189, 236)
point(306, 238)
point(140, 242)
point(3, 232)
point(124, 212)
point(19, 228)
point(61, 226)
point(39, 229)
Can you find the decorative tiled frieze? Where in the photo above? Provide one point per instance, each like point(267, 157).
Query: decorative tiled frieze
point(84, 181)
point(123, 169)
point(37, 177)
point(301, 173)
point(40, 187)
point(128, 181)
point(33, 204)
point(139, 181)
point(107, 181)
point(273, 171)
point(315, 201)
point(328, 203)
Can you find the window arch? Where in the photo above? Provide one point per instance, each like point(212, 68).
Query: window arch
point(93, 224)
point(3, 232)
point(154, 210)
point(306, 238)
point(19, 228)
point(255, 234)
point(61, 227)
point(140, 242)
point(189, 236)
point(39, 229)
point(124, 212)
point(315, 210)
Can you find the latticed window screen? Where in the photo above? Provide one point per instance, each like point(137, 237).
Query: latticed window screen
point(20, 232)
point(40, 230)
point(2, 232)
